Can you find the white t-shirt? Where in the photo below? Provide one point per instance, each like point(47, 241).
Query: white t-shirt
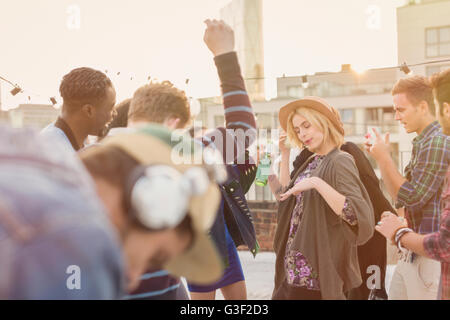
point(52, 131)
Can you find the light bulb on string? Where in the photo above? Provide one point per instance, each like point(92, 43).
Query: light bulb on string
point(16, 90)
point(305, 83)
point(405, 69)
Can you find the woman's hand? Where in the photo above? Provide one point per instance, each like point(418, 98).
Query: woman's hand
point(219, 37)
point(305, 184)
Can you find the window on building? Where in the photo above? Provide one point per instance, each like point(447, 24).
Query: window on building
point(389, 124)
point(437, 41)
point(219, 121)
point(372, 115)
point(348, 119)
point(264, 120)
point(276, 120)
point(295, 91)
point(435, 69)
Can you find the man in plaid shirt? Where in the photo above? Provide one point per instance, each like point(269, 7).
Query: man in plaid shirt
point(435, 245)
point(419, 192)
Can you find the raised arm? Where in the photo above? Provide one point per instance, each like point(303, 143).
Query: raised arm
point(393, 180)
point(240, 130)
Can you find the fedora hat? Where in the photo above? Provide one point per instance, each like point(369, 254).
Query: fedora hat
point(314, 103)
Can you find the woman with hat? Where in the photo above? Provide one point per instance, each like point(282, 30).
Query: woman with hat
point(324, 211)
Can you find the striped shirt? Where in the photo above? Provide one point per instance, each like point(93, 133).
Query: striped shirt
point(240, 130)
point(156, 285)
point(425, 173)
point(230, 141)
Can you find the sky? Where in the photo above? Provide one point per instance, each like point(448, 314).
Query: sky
point(41, 40)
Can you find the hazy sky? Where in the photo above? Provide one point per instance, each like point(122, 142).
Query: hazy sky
point(41, 41)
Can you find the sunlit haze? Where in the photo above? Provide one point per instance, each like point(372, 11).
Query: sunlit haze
point(164, 40)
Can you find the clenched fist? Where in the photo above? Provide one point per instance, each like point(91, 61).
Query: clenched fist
point(219, 37)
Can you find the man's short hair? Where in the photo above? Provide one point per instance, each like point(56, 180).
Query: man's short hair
point(156, 102)
point(84, 86)
point(417, 89)
point(121, 118)
point(441, 86)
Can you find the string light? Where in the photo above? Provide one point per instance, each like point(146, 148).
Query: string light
point(403, 67)
point(305, 83)
point(15, 91)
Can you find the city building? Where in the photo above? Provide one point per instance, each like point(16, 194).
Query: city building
point(4, 117)
point(33, 115)
point(363, 99)
point(246, 19)
point(423, 29)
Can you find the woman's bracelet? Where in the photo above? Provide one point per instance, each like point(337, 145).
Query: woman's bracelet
point(398, 235)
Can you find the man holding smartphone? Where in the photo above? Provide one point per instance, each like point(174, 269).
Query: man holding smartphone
point(419, 191)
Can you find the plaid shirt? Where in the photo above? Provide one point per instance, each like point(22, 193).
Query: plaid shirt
point(425, 173)
point(437, 244)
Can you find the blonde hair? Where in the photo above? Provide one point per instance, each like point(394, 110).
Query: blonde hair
point(318, 120)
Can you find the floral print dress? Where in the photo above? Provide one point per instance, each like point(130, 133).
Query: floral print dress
point(299, 272)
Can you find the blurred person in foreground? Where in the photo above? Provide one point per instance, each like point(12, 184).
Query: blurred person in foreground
point(154, 284)
point(66, 234)
point(164, 104)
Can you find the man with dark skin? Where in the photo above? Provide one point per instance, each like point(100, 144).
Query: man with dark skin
point(88, 107)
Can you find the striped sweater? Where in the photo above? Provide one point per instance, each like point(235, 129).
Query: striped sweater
point(240, 130)
point(230, 141)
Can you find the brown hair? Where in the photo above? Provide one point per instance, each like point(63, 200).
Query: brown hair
point(156, 102)
point(417, 89)
point(110, 164)
point(441, 87)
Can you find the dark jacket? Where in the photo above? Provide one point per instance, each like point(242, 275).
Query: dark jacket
point(235, 212)
point(328, 243)
point(372, 253)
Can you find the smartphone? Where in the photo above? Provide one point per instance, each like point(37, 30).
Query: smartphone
point(370, 136)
